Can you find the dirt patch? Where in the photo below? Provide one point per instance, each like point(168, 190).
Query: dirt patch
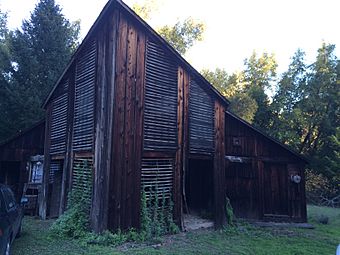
point(194, 222)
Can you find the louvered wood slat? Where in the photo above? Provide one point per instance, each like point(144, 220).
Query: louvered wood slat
point(55, 166)
point(201, 120)
point(157, 177)
point(84, 99)
point(82, 175)
point(59, 122)
point(160, 116)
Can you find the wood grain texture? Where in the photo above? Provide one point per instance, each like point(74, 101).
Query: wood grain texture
point(124, 203)
point(177, 192)
point(219, 166)
point(272, 167)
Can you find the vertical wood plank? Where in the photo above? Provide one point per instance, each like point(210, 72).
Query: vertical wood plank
point(139, 116)
point(219, 165)
point(303, 193)
point(44, 194)
point(69, 135)
point(129, 157)
point(104, 106)
point(177, 194)
point(117, 176)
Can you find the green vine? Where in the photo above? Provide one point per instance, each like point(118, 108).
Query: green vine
point(229, 213)
point(74, 222)
point(156, 215)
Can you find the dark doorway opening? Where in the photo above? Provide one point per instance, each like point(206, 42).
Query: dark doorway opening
point(199, 188)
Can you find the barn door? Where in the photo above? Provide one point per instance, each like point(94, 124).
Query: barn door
point(275, 190)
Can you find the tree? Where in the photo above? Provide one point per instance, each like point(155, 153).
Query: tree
point(146, 9)
point(6, 72)
point(40, 51)
point(233, 88)
point(182, 36)
point(286, 124)
point(259, 76)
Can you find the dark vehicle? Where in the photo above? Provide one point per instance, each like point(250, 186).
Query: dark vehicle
point(11, 214)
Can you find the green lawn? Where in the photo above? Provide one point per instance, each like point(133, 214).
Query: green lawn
point(245, 239)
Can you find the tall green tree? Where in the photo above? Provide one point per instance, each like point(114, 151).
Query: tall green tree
point(321, 111)
point(259, 77)
point(233, 88)
point(6, 71)
point(286, 116)
point(40, 51)
point(182, 35)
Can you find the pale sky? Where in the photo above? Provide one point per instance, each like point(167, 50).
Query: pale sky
point(234, 28)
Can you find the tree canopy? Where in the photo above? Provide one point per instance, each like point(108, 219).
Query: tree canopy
point(182, 35)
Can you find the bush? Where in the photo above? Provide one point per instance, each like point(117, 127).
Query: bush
point(323, 219)
point(74, 222)
point(229, 212)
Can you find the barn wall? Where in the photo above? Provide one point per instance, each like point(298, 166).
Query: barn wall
point(16, 152)
point(258, 175)
point(124, 200)
point(69, 128)
point(201, 119)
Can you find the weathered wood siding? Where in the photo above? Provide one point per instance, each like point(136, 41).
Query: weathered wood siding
point(84, 103)
point(201, 120)
point(125, 188)
point(160, 118)
point(17, 151)
point(59, 120)
point(258, 173)
point(105, 88)
point(219, 164)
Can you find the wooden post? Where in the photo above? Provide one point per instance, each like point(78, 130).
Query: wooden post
point(177, 194)
point(104, 122)
point(43, 196)
point(67, 168)
point(219, 166)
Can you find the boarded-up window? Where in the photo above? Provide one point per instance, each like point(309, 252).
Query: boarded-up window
point(201, 120)
point(160, 117)
point(157, 177)
point(59, 121)
point(84, 98)
point(82, 175)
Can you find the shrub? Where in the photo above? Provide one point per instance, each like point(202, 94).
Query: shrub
point(323, 219)
point(229, 212)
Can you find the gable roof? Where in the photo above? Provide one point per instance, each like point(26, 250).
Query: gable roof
point(277, 142)
point(111, 4)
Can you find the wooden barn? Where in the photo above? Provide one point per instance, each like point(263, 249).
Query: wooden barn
point(129, 112)
point(16, 153)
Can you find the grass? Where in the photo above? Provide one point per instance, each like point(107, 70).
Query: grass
point(244, 239)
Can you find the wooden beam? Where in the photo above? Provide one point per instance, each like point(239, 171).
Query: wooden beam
point(43, 196)
point(219, 166)
point(177, 194)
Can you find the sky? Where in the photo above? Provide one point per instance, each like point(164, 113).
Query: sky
point(234, 28)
